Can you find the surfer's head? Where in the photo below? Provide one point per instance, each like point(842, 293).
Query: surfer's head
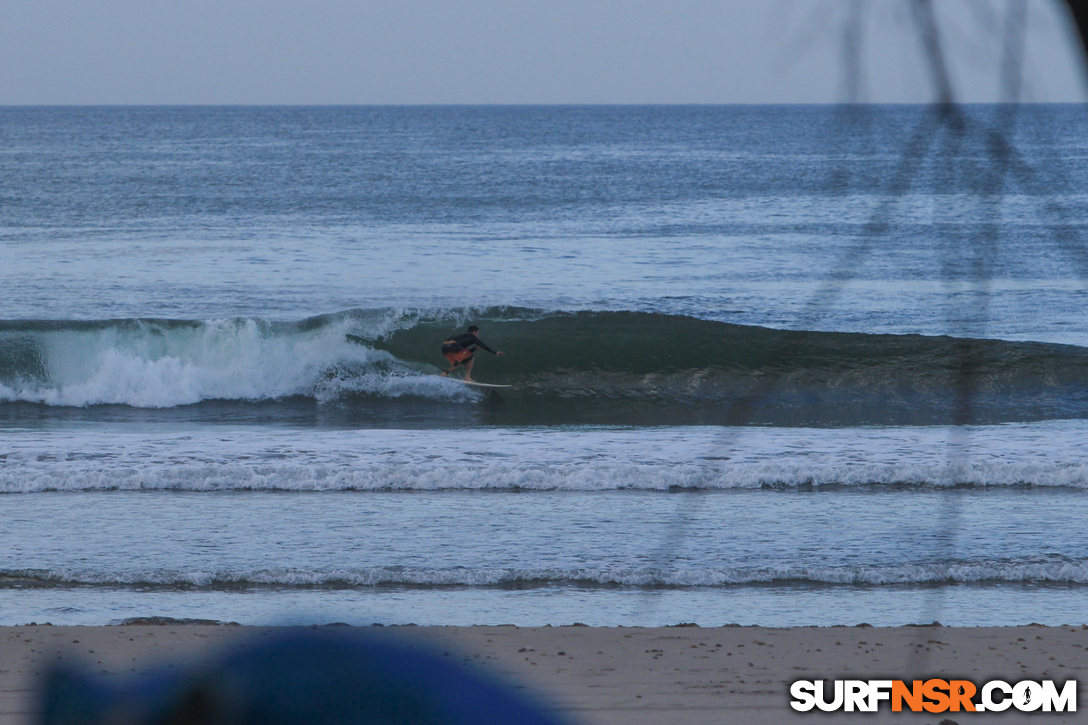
point(473, 329)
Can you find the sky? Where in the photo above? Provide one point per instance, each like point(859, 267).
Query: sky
point(516, 51)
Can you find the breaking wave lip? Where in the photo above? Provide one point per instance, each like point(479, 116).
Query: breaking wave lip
point(1035, 573)
point(584, 367)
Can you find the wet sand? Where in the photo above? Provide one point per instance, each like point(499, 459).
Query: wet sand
point(613, 675)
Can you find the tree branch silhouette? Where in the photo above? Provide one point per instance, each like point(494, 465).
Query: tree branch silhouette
point(1079, 10)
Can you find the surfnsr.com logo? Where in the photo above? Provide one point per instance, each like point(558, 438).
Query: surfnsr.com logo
point(933, 695)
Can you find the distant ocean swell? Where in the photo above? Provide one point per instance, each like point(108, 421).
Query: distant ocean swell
point(566, 368)
point(1067, 573)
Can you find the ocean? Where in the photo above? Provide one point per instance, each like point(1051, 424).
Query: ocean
point(775, 365)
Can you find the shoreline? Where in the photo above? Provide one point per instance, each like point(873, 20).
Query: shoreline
point(612, 675)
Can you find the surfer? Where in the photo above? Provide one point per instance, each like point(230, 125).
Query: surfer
point(459, 351)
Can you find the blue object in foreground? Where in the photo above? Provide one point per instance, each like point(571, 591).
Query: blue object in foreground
point(304, 676)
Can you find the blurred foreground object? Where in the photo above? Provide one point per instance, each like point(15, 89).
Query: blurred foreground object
point(301, 676)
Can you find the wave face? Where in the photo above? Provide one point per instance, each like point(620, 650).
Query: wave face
point(379, 367)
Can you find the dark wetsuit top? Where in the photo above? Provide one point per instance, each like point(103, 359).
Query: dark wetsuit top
point(464, 341)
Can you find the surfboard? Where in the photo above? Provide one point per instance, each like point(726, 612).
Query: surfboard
point(479, 385)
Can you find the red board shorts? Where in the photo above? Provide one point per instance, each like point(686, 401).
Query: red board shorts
point(456, 357)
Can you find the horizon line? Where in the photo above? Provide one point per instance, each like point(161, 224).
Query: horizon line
point(536, 105)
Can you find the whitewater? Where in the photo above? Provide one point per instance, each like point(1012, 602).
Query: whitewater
point(594, 458)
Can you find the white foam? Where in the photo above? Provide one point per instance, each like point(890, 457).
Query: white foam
point(581, 459)
point(981, 572)
point(151, 365)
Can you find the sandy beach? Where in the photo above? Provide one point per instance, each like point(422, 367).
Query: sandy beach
point(599, 676)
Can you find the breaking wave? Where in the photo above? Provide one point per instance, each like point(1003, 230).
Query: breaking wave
point(565, 368)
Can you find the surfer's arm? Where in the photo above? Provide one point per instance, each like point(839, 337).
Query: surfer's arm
point(481, 344)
